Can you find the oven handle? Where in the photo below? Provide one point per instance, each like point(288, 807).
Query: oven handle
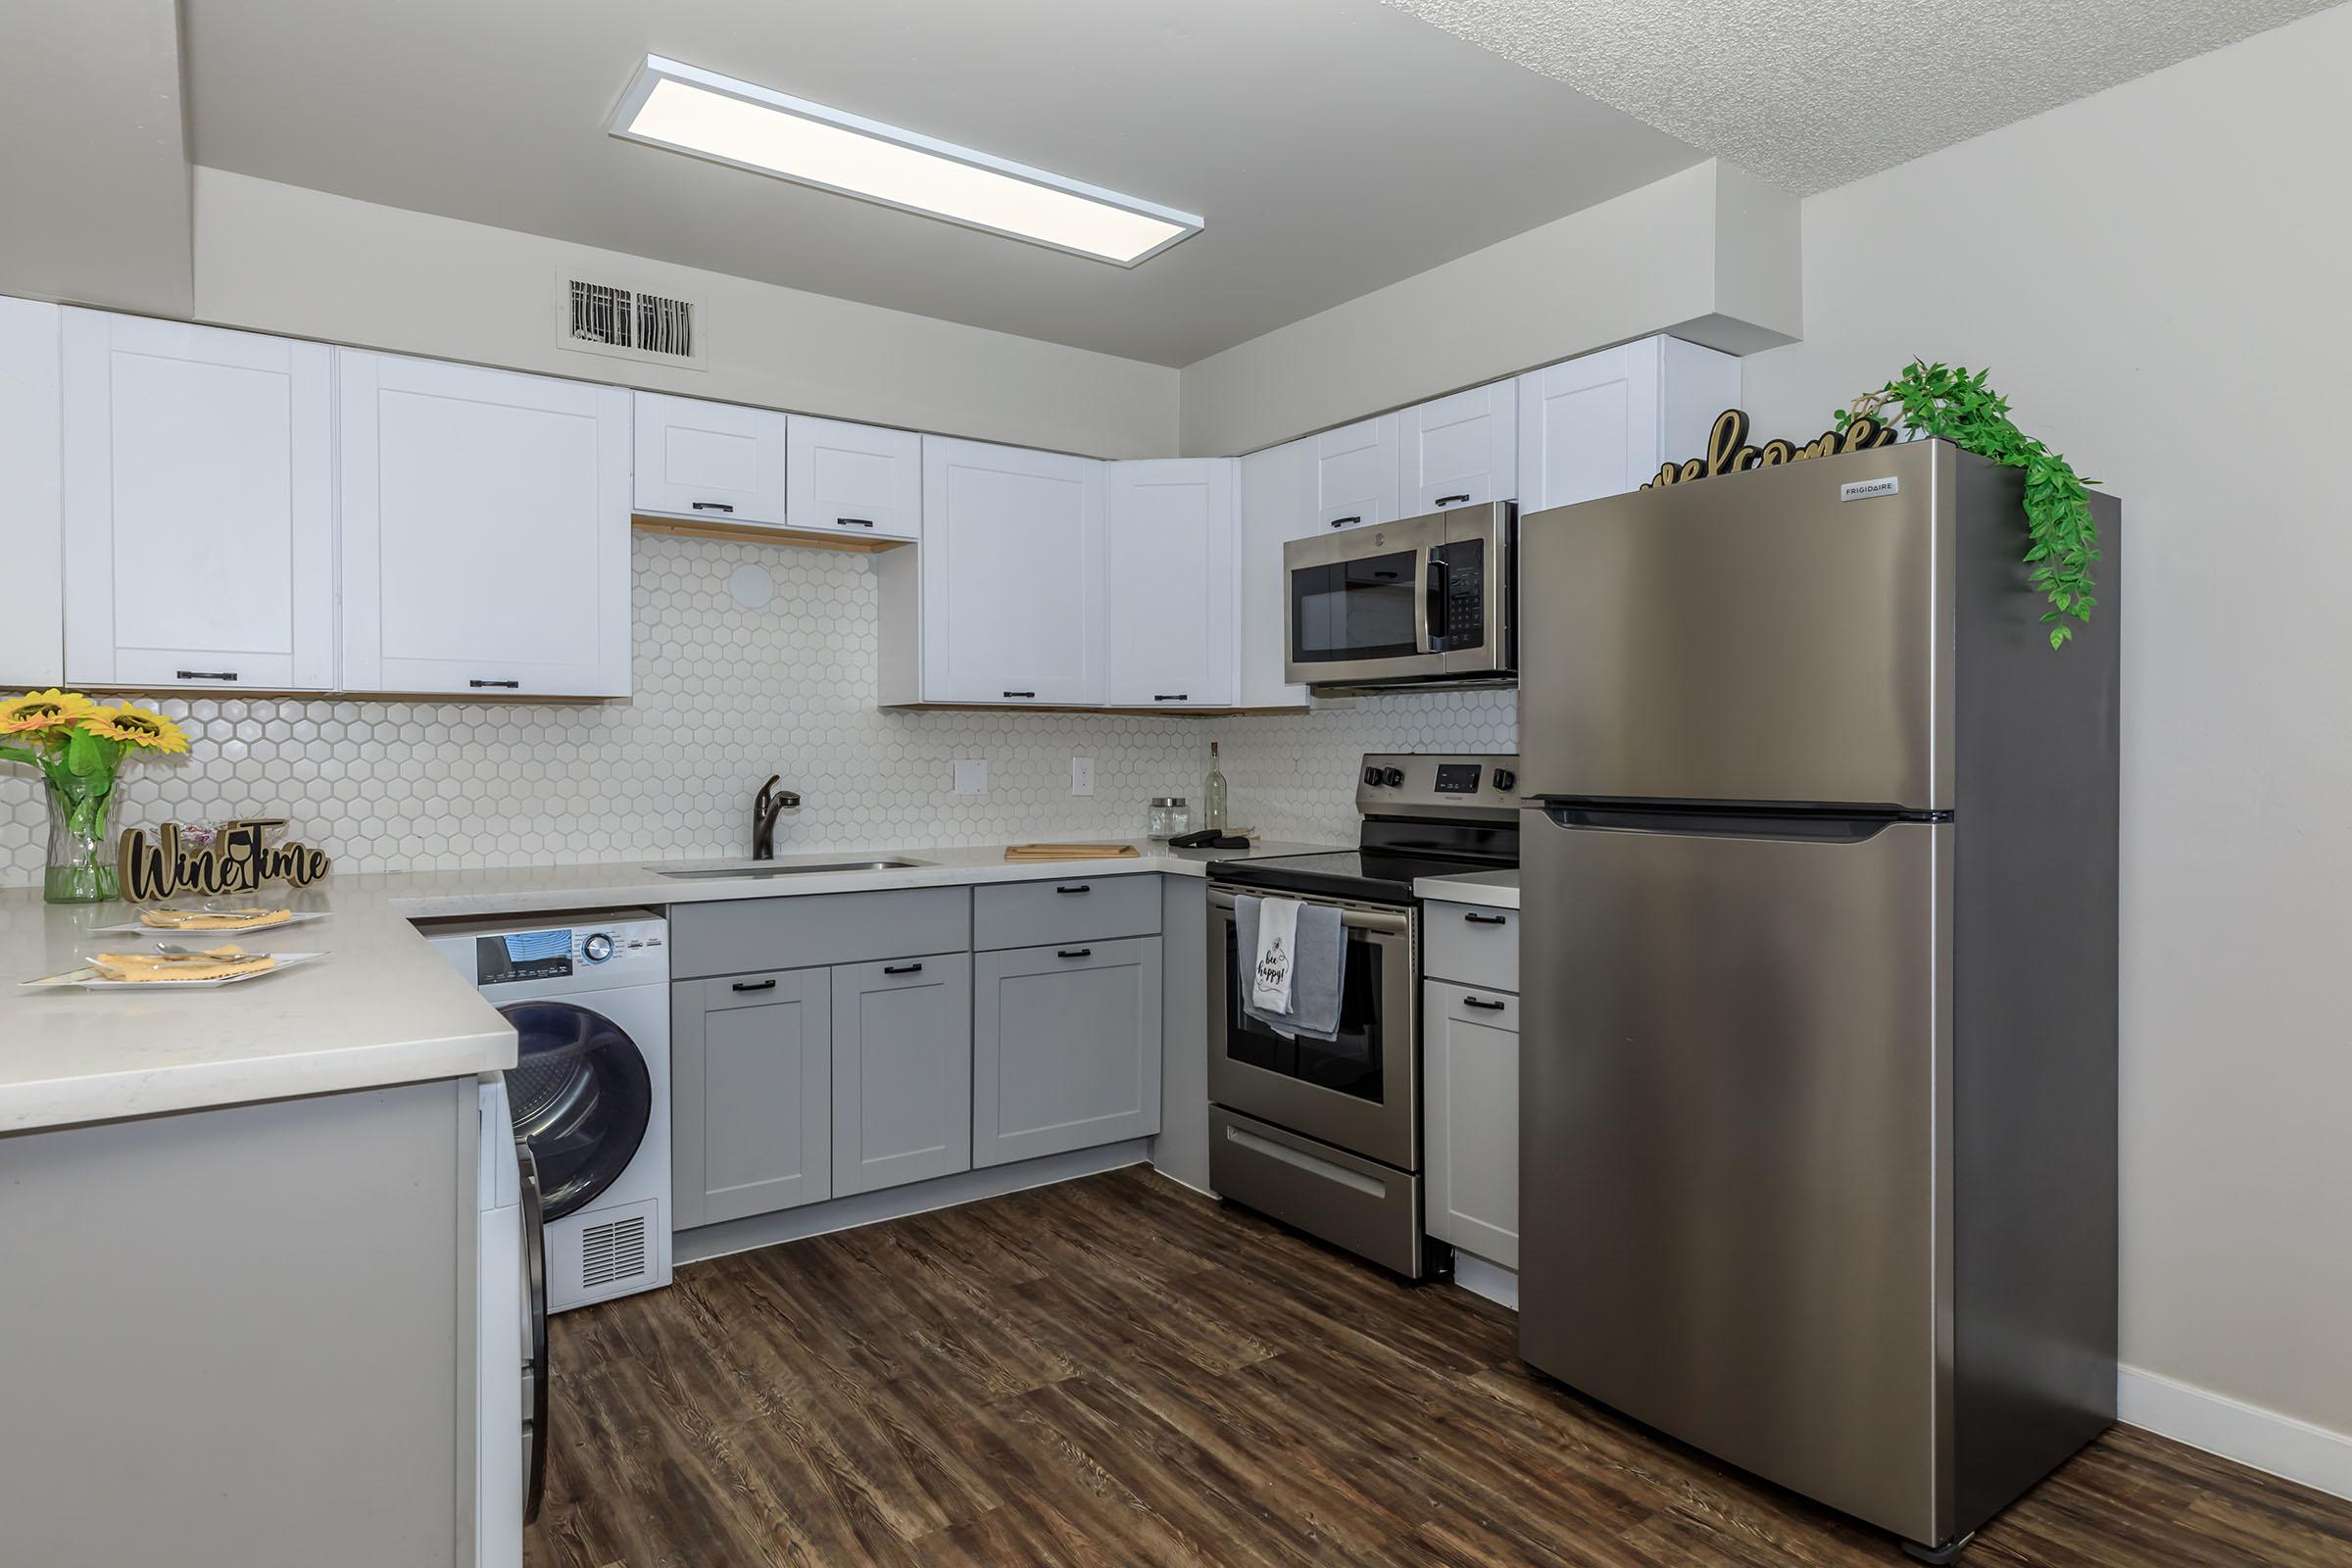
point(1384, 922)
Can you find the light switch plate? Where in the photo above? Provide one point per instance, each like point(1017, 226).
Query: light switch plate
point(971, 775)
point(1082, 775)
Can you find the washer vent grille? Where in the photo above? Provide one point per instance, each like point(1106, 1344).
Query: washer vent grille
point(612, 1251)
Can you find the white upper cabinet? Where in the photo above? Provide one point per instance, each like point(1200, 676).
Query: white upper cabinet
point(199, 507)
point(718, 462)
point(485, 530)
point(1273, 483)
point(1459, 450)
point(856, 480)
point(1172, 586)
point(1600, 425)
point(33, 638)
point(1354, 478)
point(1013, 589)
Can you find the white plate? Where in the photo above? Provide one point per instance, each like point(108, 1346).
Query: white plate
point(139, 928)
point(89, 979)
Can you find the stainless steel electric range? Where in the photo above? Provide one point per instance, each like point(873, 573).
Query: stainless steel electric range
point(1326, 1135)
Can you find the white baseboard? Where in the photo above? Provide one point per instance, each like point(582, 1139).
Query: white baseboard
point(1489, 1280)
point(2265, 1440)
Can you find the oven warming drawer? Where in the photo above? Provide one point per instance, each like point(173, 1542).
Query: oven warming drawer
point(1367, 1208)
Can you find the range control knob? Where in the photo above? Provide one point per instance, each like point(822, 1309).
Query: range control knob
point(1505, 780)
point(1392, 776)
point(597, 949)
point(1371, 775)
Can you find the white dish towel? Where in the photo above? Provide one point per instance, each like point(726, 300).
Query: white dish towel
point(1277, 948)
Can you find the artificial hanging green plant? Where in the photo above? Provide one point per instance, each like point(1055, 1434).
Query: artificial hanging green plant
point(1947, 401)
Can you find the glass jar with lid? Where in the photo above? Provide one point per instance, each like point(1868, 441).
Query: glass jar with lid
point(1170, 817)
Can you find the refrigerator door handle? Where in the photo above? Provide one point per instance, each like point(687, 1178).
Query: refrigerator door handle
point(1840, 824)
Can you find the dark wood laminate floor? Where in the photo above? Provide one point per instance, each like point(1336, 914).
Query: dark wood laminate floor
point(1116, 1371)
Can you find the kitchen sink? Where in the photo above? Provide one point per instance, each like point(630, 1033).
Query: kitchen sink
point(731, 868)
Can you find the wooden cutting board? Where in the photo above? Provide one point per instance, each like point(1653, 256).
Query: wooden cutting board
point(1072, 852)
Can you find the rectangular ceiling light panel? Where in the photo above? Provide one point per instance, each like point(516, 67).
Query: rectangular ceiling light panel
point(731, 122)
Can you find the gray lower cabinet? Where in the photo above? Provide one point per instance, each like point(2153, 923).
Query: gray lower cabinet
point(751, 1094)
point(902, 1071)
point(1470, 1107)
point(1065, 1048)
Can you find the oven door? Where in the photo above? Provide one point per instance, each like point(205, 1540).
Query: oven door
point(1360, 1092)
point(1355, 604)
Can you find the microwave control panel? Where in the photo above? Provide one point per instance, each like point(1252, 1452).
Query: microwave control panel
point(1465, 563)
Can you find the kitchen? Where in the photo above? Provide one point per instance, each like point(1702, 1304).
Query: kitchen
point(990, 1323)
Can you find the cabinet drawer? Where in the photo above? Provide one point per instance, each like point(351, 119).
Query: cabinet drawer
point(1472, 945)
point(737, 935)
point(1076, 908)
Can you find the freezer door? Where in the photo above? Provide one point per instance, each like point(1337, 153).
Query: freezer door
point(1735, 1143)
point(1747, 638)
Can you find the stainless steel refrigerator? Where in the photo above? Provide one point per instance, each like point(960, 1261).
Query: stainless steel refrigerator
point(1818, 1075)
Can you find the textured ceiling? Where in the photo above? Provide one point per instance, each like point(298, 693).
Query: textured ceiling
point(1812, 96)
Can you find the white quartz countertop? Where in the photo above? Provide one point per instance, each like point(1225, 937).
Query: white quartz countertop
point(384, 1008)
point(1496, 890)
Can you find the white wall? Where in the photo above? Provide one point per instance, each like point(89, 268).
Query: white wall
point(1709, 254)
point(282, 258)
point(2161, 279)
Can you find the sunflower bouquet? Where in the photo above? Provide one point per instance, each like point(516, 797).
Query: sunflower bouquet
point(78, 745)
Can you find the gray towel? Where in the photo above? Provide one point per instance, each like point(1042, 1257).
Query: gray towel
point(1314, 971)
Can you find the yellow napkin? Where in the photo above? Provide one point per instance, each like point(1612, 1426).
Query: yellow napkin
point(214, 919)
point(217, 964)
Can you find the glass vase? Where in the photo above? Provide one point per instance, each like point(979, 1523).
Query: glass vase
point(81, 861)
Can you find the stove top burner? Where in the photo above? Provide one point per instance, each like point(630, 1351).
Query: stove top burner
point(1371, 875)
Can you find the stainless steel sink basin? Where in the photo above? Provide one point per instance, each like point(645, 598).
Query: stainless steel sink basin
point(731, 868)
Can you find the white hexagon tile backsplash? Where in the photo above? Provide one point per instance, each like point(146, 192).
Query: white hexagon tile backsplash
point(729, 690)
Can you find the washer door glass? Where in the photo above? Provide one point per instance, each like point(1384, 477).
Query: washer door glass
point(582, 1100)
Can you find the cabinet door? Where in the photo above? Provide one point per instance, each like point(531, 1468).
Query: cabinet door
point(1471, 1077)
point(33, 638)
point(858, 480)
point(750, 1067)
point(485, 530)
point(1065, 1048)
point(1589, 427)
point(1172, 585)
point(199, 506)
point(902, 1071)
point(1013, 577)
point(1353, 480)
point(719, 462)
point(1460, 451)
point(1274, 513)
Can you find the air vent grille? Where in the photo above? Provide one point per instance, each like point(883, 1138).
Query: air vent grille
point(630, 322)
point(601, 314)
point(666, 326)
point(612, 1251)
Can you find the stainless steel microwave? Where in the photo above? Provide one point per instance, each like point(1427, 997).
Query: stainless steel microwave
point(1425, 601)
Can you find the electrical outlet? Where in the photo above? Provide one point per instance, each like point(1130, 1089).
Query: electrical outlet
point(971, 775)
point(1082, 775)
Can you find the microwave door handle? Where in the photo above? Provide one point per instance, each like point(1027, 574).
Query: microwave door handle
point(1436, 578)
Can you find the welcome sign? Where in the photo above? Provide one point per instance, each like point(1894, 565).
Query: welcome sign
point(237, 858)
point(1728, 451)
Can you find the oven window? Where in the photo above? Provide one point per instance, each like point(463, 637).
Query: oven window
point(1351, 609)
point(1349, 1064)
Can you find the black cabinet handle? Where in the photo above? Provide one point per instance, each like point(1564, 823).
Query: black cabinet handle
point(207, 674)
point(1074, 953)
point(712, 505)
point(901, 968)
point(754, 985)
point(505, 685)
point(1074, 887)
point(1487, 919)
point(1173, 697)
point(1020, 694)
point(1447, 500)
point(1482, 1004)
point(853, 522)
point(1342, 523)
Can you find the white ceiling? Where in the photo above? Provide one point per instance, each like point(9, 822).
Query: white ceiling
point(1812, 96)
point(1334, 146)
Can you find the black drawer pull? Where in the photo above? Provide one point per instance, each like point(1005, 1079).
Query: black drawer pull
point(712, 505)
point(1173, 697)
point(1020, 694)
point(1074, 953)
point(505, 685)
point(1447, 500)
point(853, 522)
point(901, 968)
point(1487, 919)
point(207, 674)
point(1073, 886)
point(1482, 1003)
point(1342, 523)
point(754, 985)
